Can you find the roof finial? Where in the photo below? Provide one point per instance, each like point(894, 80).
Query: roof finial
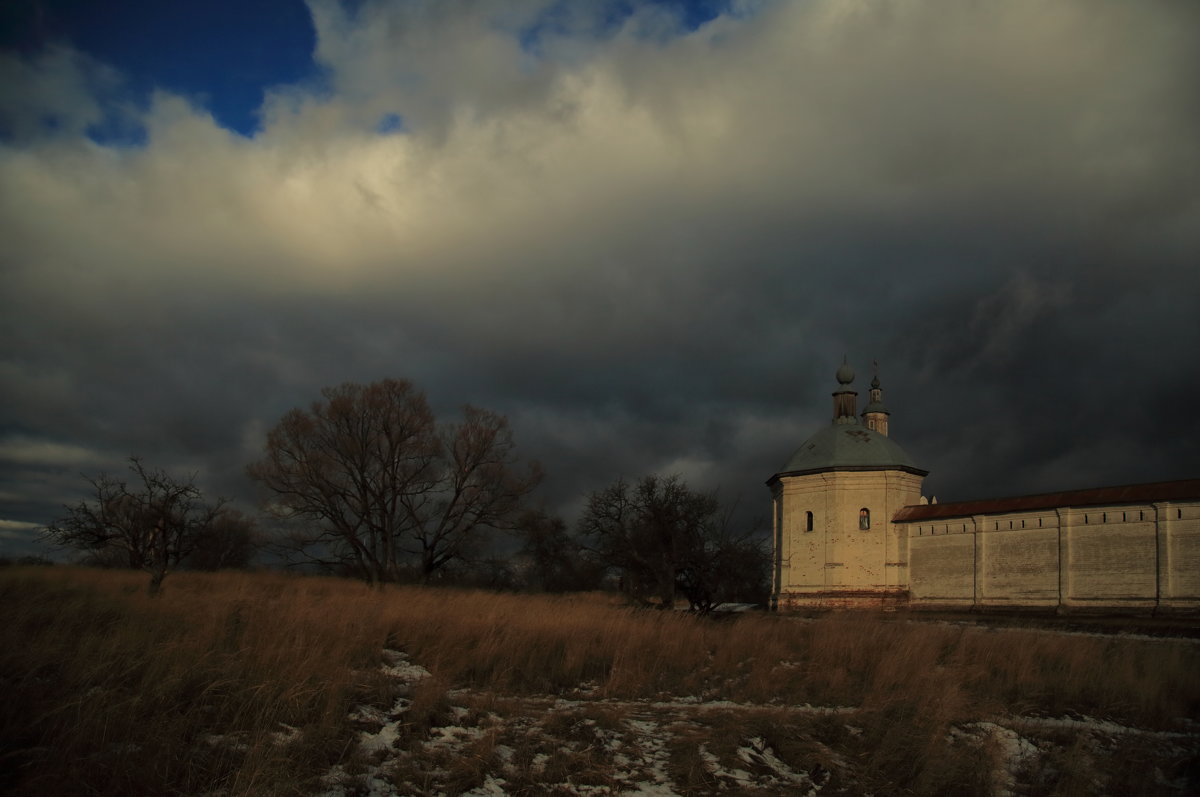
point(845, 374)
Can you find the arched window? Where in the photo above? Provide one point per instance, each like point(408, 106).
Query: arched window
point(864, 519)
point(808, 521)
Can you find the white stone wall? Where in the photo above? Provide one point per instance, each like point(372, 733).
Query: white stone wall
point(836, 556)
point(1179, 577)
point(1112, 557)
point(1120, 555)
point(942, 568)
point(1018, 566)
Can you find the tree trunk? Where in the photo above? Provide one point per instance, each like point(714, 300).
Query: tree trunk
point(156, 580)
point(666, 588)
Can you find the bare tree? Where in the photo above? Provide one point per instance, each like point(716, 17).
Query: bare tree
point(229, 541)
point(645, 531)
point(728, 561)
point(154, 523)
point(387, 487)
point(665, 538)
point(554, 560)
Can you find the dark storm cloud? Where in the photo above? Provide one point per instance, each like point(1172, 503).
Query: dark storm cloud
point(649, 247)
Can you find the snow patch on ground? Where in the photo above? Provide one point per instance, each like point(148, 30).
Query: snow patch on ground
point(369, 784)
point(1086, 723)
point(398, 666)
point(758, 753)
point(286, 735)
point(1013, 753)
point(492, 787)
point(580, 746)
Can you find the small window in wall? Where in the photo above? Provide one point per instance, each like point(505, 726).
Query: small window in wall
point(1039, 523)
point(1141, 514)
point(1085, 518)
point(1022, 523)
point(864, 519)
point(997, 525)
point(808, 521)
point(1010, 524)
point(1104, 517)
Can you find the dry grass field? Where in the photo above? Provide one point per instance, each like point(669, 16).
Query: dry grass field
point(261, 684)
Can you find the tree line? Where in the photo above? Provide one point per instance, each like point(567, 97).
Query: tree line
point(367, 482)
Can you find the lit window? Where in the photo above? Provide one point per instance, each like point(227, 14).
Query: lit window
point(864, 519)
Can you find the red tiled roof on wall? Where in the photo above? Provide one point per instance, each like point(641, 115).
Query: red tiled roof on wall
point(1184, 489)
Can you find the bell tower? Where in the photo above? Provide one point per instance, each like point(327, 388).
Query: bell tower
point(875, 414)
point(845, 398)
point(832, 505)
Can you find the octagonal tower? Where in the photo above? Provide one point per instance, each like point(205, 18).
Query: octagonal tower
point(832, 505)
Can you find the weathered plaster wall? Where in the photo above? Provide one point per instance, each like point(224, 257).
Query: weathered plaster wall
point(836, 557)
point(1019, 566)
point(1181, 552)
point(1123, 555)
point(942, 568)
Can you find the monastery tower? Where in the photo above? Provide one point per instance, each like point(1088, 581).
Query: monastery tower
point(852, 530)
point(832, 505)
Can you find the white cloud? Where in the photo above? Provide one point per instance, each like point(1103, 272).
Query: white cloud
point(19, 450)
point(641, 220)
point(12, 528)
point(529, 167)
point(58, 92)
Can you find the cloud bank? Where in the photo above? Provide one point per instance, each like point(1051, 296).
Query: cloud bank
point(649, 245)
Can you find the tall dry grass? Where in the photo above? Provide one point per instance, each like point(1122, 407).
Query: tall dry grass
point(111, 692)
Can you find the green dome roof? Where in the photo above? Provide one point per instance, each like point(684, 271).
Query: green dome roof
point(849, 445)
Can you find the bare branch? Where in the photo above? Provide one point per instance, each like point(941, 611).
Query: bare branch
point(388, 489)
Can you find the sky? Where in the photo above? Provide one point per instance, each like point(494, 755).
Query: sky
point(646, 232)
